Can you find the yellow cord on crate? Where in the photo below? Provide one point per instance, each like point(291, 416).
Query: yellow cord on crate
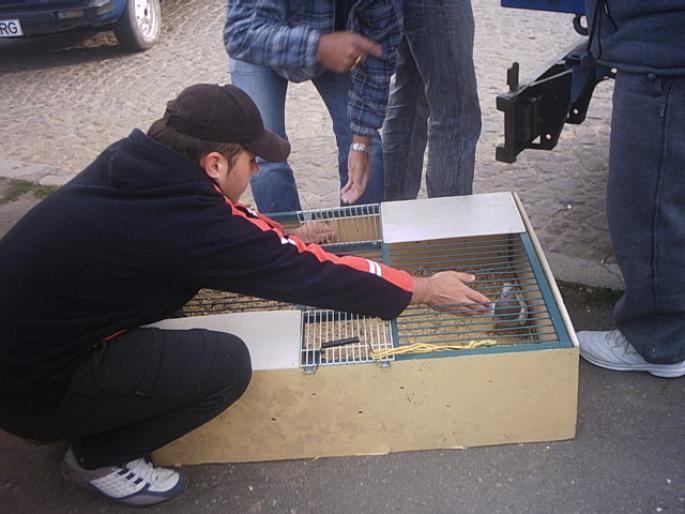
point(384, 353)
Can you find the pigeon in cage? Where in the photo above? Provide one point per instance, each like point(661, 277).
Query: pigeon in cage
point(510, 309)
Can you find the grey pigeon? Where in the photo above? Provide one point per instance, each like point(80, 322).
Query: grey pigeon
point(510, 308)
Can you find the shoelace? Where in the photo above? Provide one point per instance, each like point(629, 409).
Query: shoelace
point(618, 341)
point(614, 338)
point(143, 469)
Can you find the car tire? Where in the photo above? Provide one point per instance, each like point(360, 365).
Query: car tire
point(140, 25)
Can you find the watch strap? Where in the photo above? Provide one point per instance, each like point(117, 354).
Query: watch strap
point(359, 147)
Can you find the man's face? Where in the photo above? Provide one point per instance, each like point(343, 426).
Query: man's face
point(232, 181)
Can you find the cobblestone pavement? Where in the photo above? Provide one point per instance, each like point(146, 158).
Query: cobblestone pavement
point(64, 98)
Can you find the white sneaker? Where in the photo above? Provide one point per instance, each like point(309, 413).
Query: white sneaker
point(135, 483)
point(611, 350)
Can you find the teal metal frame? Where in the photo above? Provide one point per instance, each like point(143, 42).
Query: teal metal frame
point(563, 338)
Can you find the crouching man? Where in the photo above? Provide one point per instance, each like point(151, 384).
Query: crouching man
point(128, 242)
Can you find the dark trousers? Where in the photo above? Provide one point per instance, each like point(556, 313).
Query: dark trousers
point(646, 212)
point(146, 388)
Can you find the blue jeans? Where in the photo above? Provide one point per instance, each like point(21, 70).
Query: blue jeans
point(434, 100)
point(646, 212)
point(274, 188)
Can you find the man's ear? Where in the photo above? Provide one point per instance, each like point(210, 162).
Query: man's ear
point(211, 163)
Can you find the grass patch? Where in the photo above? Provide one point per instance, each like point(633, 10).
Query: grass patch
point(18, 188)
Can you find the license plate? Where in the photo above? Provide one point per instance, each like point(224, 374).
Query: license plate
point(10, 28)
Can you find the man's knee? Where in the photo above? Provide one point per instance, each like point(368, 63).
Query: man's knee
point(232, 366)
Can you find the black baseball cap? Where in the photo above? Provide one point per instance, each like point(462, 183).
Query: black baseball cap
point(225, 114)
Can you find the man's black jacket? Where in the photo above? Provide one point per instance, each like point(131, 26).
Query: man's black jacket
point(128, 242)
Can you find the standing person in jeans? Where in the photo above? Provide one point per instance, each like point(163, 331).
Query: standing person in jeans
point(347, 49)
point(128, 242)
point(433, 101)
point(645, 42)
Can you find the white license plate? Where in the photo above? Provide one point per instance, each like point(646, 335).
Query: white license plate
point(10, 28)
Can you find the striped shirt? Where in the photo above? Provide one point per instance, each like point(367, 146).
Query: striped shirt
point(284, 35)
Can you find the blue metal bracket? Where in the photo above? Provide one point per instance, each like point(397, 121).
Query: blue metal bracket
point(536, 110)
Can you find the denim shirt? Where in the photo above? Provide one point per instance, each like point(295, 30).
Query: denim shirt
point(284, 35)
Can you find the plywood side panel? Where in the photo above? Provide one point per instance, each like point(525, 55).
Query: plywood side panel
point(361, 228)
point(419, 404)
point(453, 253)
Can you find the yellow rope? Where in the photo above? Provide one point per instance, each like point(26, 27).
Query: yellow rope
point(384, 353)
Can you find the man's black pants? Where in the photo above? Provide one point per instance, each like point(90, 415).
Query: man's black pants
point(146, 388)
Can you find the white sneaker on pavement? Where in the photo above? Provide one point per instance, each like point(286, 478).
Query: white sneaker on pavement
point(611, 350)
point(135, 483)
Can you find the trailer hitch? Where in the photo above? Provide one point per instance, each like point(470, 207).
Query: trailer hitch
point(535, 112)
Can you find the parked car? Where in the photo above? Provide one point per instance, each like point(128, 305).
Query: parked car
point(136, 23)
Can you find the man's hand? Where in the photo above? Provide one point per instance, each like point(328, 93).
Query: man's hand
point(341, 51)
point(447, 291)
point(316, 232)
point(358, 175)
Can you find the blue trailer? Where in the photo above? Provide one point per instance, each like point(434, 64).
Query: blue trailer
point(569, 6)
point(536, 109)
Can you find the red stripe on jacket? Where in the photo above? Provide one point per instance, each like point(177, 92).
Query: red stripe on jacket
point(400, 278)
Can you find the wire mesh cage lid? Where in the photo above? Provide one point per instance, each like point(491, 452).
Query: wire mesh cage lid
point(484, 235)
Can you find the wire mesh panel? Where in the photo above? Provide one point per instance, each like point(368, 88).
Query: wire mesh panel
point(501, 264)
point(358, 233)
point(355, 237)
point(502, 269)
point(209, 301)
point(374, 254)
point(331, 337)
point(354, 223)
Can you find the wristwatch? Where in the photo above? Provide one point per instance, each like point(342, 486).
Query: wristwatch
point(359, 147)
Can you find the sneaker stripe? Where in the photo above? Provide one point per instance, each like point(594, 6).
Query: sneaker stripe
point(137, 483)
point(141, 492)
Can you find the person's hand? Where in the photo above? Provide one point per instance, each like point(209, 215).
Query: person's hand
point(358, 175)
point(341, 51)
point(316, 232)
point(447, 291)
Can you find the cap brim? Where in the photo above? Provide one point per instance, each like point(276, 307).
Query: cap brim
point(269, 147)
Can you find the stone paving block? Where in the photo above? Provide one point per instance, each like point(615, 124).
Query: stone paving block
point(54, 180)
point(24, 171)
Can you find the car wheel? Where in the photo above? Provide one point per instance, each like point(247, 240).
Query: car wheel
point(140, 25)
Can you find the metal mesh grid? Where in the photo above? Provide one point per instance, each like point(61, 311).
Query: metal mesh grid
point(354, 223)
point(495, 261)
point(209, 301)
point(331, 338)
point(374, 254)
